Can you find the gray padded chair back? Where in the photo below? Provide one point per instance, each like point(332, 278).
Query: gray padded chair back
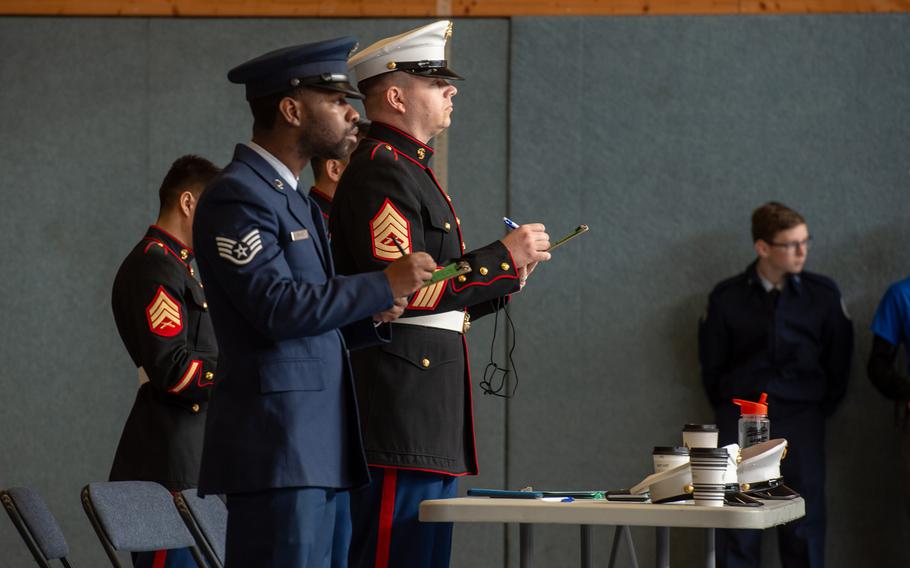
point(135, 516)
point(36, 524)
point(207, 520)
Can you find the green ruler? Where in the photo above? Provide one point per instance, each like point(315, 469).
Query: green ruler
point(450, 271)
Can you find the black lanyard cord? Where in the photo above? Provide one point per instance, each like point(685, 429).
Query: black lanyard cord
point(495, 377)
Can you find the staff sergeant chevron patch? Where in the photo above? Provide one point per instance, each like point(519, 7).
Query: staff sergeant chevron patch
point(240, 252)
point(164, 314)
point(387, 227)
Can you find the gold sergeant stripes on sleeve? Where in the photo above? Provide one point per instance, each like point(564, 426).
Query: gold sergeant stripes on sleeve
point(428, 297)
point(432, 8)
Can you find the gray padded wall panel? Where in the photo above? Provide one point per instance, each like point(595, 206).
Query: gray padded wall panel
point(93, 112)
point(73, 111)
point(663, 134)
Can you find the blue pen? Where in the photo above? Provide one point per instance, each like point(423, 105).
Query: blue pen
point(510, 223)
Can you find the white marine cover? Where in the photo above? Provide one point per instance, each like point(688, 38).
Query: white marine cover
point(731, 475)
point(666, 484)
point(761, 462)
point(426, 43)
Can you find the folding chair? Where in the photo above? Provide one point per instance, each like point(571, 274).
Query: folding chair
point(207, 521)
point(135, 516)
point(36, 525)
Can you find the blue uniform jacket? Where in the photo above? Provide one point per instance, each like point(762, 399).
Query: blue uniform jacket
point(283, 413)
point(797, 350)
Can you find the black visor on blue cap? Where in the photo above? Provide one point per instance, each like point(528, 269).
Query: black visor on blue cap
point(427, 68)
point(322, 65)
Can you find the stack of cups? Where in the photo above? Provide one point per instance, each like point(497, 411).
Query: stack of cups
point(668, 457)
point(708, 467)
point(700, 436)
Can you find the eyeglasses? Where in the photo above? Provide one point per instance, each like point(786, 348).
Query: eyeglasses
point(793, 245)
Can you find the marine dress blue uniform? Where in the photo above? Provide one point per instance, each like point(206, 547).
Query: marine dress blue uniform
point(414, 393)
point(795, 344)
point(282, 433)
point(163, 319)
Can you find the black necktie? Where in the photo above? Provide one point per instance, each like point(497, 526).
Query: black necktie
point(774, 296)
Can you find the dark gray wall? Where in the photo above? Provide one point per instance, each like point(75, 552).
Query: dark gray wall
point(660, 133)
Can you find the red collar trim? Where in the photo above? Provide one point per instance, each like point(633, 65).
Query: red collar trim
point(406, 135)
point(400, 153)
point(176, 240)
point(322, 194)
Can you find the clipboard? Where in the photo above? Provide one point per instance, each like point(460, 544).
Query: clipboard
point(579, 230)
point(504, 493)
point(447, 272)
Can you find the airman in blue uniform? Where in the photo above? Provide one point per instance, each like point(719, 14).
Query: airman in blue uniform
point(282, 434)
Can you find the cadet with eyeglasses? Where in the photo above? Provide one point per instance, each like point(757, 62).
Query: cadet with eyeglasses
point(779, 329)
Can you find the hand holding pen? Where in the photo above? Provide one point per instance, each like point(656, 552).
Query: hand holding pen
point(409, 273)
point(523, 271)
point(527, 244)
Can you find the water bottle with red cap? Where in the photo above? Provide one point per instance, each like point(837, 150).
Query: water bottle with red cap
point(754, 426)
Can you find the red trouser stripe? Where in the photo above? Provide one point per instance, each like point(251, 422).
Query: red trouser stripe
point(386, 515)
point(160, 559)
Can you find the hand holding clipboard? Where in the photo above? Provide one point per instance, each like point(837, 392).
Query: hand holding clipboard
point(578, 231)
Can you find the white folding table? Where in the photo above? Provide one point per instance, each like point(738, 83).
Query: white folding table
point(586, 513)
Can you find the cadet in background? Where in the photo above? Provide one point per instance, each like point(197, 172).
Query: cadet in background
point(327, 173)
point(779, 329)
point(891, 330)
point(162, 316)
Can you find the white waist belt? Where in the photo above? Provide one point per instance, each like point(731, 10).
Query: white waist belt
point(452, 321)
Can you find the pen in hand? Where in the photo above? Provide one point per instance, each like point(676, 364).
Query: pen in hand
point(523, 271)
point(398, 246)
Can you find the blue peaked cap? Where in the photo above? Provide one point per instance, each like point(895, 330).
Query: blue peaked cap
point(323, 65)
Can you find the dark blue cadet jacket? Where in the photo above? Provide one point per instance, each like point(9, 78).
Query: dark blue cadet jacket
point(797, 349)
point(283, 413)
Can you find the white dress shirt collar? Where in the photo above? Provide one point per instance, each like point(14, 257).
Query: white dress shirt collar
point(277, 164)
